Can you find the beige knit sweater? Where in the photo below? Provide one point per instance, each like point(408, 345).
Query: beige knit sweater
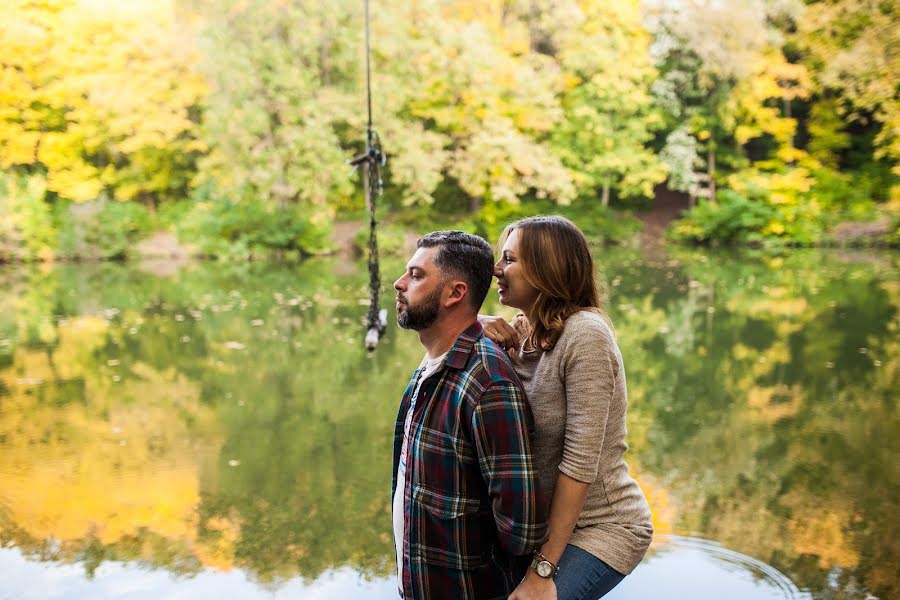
point(578, 397)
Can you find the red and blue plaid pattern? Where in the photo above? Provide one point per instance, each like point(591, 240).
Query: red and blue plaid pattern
point(474, 514)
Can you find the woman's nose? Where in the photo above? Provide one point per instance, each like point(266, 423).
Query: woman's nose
point(497, 270)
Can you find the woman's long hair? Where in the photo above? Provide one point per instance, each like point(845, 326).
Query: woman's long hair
point(555, 258)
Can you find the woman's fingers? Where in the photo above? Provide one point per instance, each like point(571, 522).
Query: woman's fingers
point(502, 333)
point(509, 337)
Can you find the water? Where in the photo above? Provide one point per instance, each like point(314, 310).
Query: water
point(217, 430)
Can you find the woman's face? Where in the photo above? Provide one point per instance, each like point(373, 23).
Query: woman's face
point(515, 291)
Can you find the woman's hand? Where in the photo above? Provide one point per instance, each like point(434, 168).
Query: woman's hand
point(501, 332)
point(534, 587)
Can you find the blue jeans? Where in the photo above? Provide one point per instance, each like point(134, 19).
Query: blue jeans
point(583, 576)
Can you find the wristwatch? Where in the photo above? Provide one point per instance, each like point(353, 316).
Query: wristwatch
point(543, 567)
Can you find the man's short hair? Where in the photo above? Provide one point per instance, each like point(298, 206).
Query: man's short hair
point(466, 256)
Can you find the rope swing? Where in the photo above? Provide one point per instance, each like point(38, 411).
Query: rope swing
point(370, 163)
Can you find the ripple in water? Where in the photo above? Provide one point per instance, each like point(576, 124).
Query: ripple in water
point(686, 567)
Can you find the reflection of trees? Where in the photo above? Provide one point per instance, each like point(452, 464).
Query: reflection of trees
point(91, 469)
point(257, 431)
point(776, 433)
point(313, 437)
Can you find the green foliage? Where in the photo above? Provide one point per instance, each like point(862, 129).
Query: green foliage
point(103, 229)
point(391, 240)
point(608, 114)
point(116, 227)
point(843, 196)
point(251, 229)
point(170, 214)
point(827, 131)
point(277, 103)
point(96, 98)
point(770, 372)
point(850, 45)
point(733, 218)
point(26, 225)
point(602, 225)
point(489, 110)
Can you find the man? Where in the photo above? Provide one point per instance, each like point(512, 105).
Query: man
point(467, 512)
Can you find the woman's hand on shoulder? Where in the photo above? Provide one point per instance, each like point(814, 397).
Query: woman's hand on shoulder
point(501, 332)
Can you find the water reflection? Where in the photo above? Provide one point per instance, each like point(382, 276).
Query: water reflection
point(702, 570)
point(29, 580)
point(710, 567)
point(222, 423)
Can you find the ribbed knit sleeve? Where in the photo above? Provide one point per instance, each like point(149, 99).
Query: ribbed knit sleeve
point(589, 367)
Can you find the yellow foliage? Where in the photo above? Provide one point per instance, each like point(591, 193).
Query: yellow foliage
point(88, 82)
point(750, 106)
point(218, 554)
point(661, 507)
point(773, 227)
point(72, 501)
point(771, 404)
point(108, 469)
point(740, 351)
point(821, 533)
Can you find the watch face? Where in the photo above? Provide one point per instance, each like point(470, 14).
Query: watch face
point(544, 569)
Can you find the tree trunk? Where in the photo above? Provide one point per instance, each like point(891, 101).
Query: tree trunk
point(711, 171)
point(533, 15)
point(324, 48)
point(604, 199)
point(787, 114)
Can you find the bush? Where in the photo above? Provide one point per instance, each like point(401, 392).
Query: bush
point(27, 231)
point(600, 225)
point(103, 229)
point(170, 214)
point(845, 197)
point(116, 228)
point(391, 240)
point(733, 218)
point(251, 229)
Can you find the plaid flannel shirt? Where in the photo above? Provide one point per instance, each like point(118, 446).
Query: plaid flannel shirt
point(473, 512)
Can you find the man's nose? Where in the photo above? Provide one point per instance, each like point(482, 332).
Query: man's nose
point(398, 285)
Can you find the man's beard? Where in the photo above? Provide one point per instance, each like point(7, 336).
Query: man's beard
point(421, 315)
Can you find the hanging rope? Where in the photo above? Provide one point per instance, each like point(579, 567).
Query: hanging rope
point(370, 163)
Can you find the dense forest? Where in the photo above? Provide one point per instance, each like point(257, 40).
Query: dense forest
point(229, 122)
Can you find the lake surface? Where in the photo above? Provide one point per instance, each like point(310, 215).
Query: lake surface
point(211, 430)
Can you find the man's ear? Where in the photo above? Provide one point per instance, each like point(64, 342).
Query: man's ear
point(458, 290)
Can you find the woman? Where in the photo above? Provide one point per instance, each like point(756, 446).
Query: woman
point(566, 355)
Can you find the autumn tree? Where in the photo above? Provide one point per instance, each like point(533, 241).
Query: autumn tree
point(609, 116)
point(100, 97)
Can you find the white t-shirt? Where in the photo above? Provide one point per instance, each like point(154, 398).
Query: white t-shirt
point(399, 515)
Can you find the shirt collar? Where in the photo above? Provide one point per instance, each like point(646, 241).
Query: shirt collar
point(458, 356)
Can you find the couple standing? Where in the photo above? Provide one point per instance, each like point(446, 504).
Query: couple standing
point(509, 478)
